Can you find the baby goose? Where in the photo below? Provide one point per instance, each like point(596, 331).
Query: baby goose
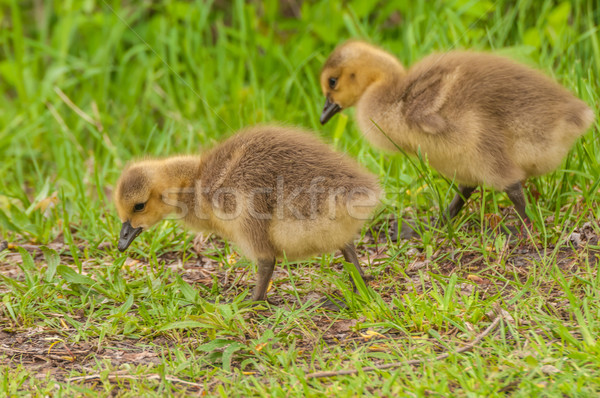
point(479, 118)
point(272, 190)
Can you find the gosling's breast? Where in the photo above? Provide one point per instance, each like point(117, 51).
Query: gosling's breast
point(384, 127)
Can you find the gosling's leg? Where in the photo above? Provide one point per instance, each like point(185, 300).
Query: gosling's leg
point(265, 272)
point(393, 231)
point(410, 231)
point(459, 200)
point(350, 256)
point(349, 252)
point(515, 194)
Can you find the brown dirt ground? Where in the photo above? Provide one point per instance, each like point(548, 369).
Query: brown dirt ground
point(54, 354)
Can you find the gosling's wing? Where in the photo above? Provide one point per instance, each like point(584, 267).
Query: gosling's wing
point(425, 94)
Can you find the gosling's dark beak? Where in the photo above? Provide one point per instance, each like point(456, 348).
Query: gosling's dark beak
point(330, 109)
point(128, 234)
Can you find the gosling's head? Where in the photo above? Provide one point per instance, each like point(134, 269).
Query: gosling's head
point(350, 69)
point(139, 200)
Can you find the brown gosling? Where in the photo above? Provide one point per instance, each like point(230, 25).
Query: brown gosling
point(479, 118)
point(273, 191)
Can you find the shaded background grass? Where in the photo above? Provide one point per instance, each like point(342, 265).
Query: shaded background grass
point(88, 85)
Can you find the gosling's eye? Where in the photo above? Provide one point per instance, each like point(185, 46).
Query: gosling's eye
point(332, 82)
point(139, 206)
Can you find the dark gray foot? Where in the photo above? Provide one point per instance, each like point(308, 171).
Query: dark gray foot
point(254, 303)
point(407, 231)
point(511, 232)
point(333, 305)
point(393, 231)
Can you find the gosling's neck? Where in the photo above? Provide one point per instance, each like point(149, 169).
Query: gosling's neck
point(373, 105)
point(385, 77)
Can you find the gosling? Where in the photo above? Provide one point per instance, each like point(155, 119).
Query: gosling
point(479, 118)
point(271, 190)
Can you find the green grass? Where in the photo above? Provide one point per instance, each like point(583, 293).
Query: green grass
point(88, 85)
